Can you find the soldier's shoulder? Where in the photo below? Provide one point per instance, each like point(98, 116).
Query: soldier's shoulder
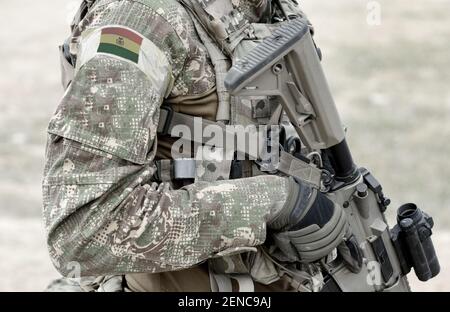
point(171, 12)
point(174, 14)
point(165, 8)
point(164, 22)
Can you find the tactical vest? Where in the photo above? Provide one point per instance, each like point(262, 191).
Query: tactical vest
point(228, 34)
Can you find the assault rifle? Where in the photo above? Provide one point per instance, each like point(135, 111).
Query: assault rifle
point(287, 66)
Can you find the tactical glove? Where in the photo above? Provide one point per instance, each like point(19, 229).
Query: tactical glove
point(309, 227)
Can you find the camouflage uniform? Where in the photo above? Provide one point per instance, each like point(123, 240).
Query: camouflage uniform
point(103, 208)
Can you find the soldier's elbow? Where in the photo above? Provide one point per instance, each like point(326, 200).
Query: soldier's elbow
point(69, 256)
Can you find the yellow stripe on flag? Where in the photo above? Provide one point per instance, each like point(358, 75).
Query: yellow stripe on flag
point(121, 42)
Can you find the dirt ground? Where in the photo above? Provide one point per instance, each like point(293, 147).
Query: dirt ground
point(389, 81)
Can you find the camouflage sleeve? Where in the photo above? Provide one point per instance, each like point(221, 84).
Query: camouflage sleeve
point(100, 208)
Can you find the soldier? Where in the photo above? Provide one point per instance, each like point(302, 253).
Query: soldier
point(115, 202)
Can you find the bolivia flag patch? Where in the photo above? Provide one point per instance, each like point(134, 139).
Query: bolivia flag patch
point(120, 42)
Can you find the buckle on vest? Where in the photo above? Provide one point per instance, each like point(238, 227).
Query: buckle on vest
point(176, 169)
point(184, 168)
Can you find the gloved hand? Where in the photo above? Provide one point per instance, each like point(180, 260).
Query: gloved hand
point(309, 226)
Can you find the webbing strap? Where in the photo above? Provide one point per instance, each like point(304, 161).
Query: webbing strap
point(245, 282)
point(219, 282)
point(164, 170)
point(169, 119)
point(288, 164)
point(222, 282)
point(227, 38)
point(221, 65)
point(300, 169)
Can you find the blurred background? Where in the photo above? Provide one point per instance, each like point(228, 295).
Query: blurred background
point(388, 65)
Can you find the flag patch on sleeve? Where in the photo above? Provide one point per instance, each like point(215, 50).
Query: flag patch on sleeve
point(120, 42)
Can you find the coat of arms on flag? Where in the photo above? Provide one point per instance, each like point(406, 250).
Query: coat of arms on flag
point(120, 42)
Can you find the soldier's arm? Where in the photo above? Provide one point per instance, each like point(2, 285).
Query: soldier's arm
point(100, 209)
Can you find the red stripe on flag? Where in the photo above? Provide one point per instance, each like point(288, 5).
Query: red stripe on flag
point(122, 32)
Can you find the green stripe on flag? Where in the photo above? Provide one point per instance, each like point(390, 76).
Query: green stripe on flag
point(119, 51)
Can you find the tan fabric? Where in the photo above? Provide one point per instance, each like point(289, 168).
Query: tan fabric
point(191, 280)
point(203, 105)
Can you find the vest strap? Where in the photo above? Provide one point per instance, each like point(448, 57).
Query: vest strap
point(176, 169)
point(223, 283)
point(288, 164)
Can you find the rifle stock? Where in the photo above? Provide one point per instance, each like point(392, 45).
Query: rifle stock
point(286, 65)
